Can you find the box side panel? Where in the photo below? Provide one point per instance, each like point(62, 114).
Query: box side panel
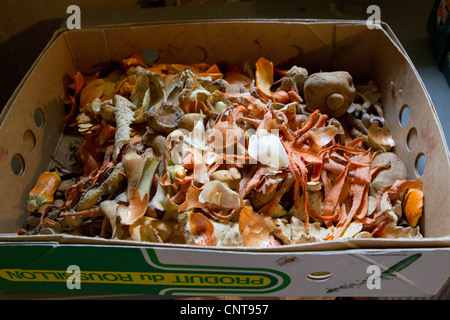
point(31, 130)
point(404, 97)
point(354, 48)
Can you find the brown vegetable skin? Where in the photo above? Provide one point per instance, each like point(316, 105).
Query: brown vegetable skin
point(93, 195)
point(259, 199)
point(133, 165)
point(96, 89)
point(330, 92)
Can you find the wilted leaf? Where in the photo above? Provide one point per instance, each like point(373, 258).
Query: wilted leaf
point(391, 230)
point(264, 76)
point(381, 136)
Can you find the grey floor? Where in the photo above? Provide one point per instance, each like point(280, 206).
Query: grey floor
point(407, 19)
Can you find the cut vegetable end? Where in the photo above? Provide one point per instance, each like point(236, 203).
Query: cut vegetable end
point(264, 76)
point(138, 206)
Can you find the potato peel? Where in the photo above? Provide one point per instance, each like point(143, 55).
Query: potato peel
point(177, 153)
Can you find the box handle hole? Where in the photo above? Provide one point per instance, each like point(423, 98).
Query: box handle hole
point(404, 115)
point(39, 118)
point(420, 164)
point(411, 139)
point(17, 164)
point(319, 276)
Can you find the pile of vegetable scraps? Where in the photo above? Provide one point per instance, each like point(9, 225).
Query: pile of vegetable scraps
point(253, 156)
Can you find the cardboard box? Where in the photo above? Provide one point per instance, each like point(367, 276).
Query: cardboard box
point(446, 66)
point(439, 30)
point(31, 127)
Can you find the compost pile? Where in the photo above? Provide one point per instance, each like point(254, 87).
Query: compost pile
point(251, 156)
